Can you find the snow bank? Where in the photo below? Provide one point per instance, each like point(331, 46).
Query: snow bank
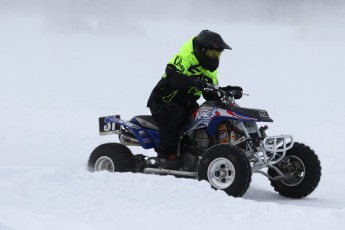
point(58, 77)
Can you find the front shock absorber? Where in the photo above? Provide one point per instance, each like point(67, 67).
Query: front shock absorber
point(223, 135)
point(263, 131)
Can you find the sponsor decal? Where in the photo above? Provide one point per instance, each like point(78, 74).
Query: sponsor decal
point(147, 140)
point(142, 133)
point(223, 135)
point(205, 114)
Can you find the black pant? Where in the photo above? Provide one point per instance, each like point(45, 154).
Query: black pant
point(170, 118)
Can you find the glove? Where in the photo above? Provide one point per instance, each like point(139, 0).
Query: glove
point(199, 84)
point(238, 90)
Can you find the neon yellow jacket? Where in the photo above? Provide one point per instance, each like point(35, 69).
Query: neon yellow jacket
point(176, 84)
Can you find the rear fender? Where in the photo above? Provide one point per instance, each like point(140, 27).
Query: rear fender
point(112, 125)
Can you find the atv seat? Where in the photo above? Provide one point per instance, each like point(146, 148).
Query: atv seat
point(145, 121)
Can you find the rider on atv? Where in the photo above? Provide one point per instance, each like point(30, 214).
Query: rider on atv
point(175, 96)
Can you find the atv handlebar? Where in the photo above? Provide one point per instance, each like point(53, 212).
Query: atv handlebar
point(216, 89)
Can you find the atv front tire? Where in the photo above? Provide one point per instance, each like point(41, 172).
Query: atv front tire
point(226, 168)
point(304, 168)
point(112, 157)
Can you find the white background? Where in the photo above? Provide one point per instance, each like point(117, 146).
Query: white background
point(65, 63)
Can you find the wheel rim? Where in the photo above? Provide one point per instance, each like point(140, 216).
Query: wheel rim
point(293, 168)
point(104, 163)
point(221, 173)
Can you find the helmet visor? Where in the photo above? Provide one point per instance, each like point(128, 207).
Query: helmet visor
point(213, 54)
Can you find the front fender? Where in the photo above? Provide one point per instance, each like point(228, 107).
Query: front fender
point(214, 123)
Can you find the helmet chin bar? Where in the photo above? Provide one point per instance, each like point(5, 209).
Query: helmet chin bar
point(210, 64)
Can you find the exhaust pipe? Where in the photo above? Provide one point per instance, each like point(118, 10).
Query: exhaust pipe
point(128, 140)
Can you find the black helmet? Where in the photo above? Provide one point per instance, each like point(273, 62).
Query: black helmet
point(208, 47)
point(212, 40)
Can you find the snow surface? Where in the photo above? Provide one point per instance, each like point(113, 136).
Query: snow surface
point(65, 63)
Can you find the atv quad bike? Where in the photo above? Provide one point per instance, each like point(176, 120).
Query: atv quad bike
point(220, 143)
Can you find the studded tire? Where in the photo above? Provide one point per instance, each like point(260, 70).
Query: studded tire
point(303, 165)
point(112, 157)
point(226, 168)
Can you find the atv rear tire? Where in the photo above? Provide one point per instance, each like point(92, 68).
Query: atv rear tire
point(226, 167)
point(302, 163)
point(112, 157)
